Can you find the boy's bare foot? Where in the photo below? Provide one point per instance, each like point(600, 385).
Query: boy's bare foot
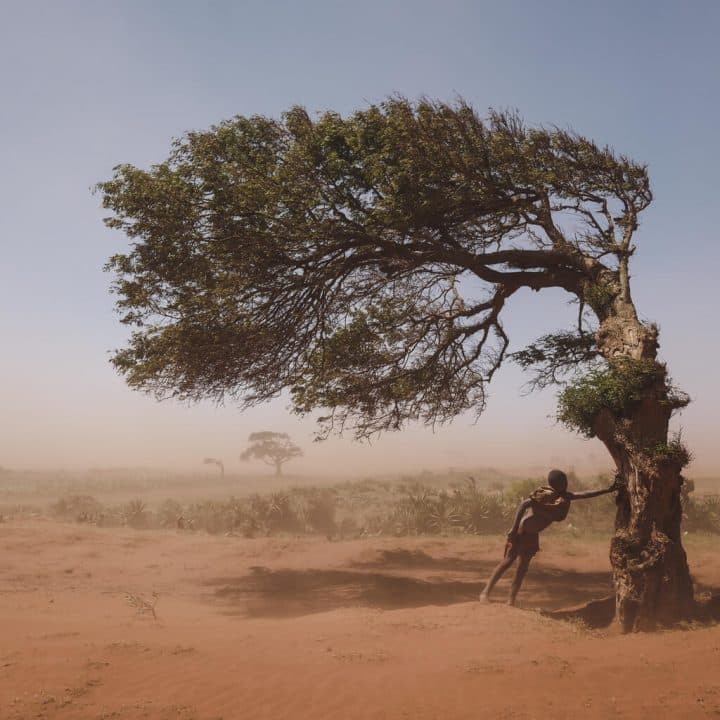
point(511, 602)
point(484, 597)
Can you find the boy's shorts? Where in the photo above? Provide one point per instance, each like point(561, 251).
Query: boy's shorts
point(522, 545)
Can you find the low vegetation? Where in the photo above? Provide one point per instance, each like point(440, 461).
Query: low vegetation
point(368, 507)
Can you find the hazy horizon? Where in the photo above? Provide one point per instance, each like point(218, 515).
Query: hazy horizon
point(89, 85)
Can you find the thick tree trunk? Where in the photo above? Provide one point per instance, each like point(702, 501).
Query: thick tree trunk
point(650, 570)
point(278, 468)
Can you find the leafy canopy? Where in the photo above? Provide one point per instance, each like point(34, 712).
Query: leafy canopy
point(361, 262)
point(271, 447)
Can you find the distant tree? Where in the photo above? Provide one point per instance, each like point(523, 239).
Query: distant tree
point(364, 264)
point(218, 463)
point(271, 448)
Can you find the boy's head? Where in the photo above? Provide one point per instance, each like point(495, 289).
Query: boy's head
point(557, 480)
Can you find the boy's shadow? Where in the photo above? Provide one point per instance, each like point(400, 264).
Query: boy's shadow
point(397, 579)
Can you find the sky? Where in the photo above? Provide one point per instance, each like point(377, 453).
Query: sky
point(87, 85)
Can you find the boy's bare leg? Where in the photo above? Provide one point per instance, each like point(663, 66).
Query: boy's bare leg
point(520, 573)
point(499, 571)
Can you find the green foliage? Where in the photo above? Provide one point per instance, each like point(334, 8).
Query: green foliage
point(615, 386)
point(600, 295)
point(555, 356)
point(478, 512)
point(328, 256)
point(423, 510)
point(360, 509)
point(211, 516)
point(275, 513)
point(674, 451)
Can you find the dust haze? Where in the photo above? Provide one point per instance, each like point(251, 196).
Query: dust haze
point(318, 597)
point(74, 429)
point(147, 573)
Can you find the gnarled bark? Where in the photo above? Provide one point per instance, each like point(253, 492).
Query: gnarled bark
point(650, 570)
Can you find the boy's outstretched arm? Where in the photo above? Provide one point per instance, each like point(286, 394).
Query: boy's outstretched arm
point(586, 494)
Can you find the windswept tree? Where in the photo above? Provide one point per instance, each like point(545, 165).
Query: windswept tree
point(364, 263)
point(218, 463)
point(272, 448)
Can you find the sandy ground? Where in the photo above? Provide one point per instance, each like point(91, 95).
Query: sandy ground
point(309, 629)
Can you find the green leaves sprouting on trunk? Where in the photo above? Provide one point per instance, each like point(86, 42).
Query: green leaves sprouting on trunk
point(616, 386)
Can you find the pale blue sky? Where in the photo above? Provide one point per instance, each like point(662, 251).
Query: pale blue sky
point(86, 85)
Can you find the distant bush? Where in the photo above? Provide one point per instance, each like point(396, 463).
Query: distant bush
point(77, 507)
point(520, 490)
point(135, 514)
point(319, 512)
point(467, 509)
point(702, 514)
point(169, 514)
point(482, 513)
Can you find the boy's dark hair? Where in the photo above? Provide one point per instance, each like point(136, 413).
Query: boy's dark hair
point(557, 480)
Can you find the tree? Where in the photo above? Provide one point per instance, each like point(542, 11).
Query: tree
point(272, 448)
point(363, 263)
point(218, 463)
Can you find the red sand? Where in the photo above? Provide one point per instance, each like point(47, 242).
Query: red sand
point(309, 629)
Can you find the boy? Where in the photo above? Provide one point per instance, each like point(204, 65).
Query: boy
point(546, 505)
